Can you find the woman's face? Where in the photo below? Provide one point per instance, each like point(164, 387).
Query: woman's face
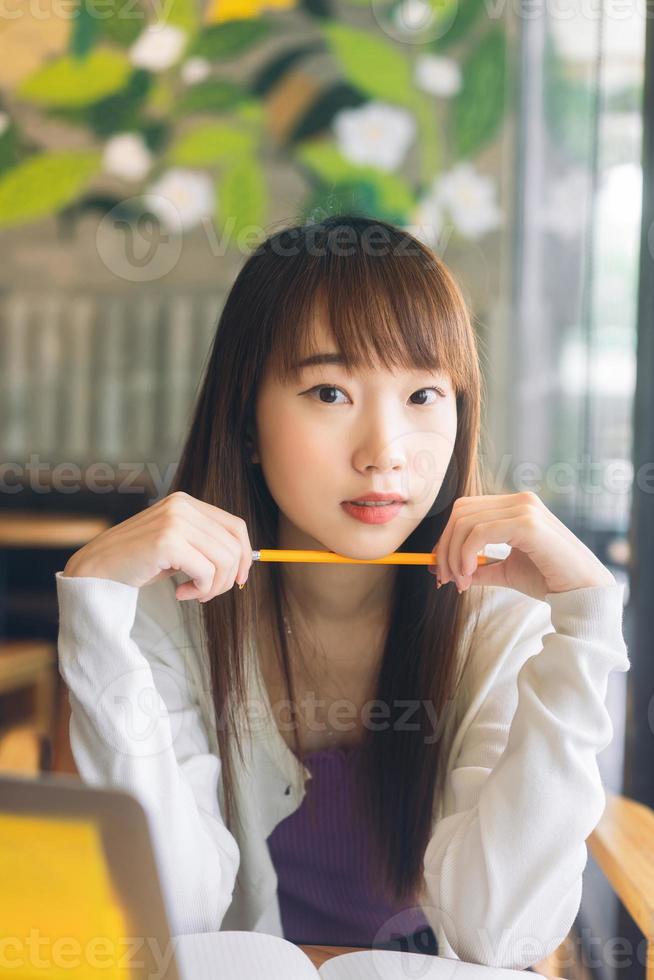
point(332, 437)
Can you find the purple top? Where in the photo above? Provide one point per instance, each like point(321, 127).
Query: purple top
point(322, 860)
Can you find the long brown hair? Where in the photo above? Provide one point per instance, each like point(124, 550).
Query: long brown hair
point(390, 301)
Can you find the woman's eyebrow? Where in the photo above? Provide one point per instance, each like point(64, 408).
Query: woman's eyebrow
point(333, 357)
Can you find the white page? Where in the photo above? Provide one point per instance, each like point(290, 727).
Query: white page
point(391, 964)
point(241, 955)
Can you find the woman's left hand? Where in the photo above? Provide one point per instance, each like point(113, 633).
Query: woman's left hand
point(545, 555)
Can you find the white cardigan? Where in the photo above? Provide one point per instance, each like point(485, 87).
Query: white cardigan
point(503, 868)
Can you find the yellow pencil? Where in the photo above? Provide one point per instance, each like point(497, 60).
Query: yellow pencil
point(331, 557)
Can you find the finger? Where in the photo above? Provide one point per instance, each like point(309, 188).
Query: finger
point(222, 551)
point(235, 525)
point(496, 531)
point(213, 530)
point(225, 552)
point(443, 570)
point(492, 574)
point(194, 563)
point(462, 564)
point(204, 515)
point(443, 543)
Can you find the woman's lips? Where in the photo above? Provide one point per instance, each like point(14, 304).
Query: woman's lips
point(373, 515)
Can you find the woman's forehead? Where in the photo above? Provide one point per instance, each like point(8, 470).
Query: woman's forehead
point(320, 341)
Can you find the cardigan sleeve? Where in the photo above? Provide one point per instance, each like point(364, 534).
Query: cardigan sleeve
point(503, 872)
point(136, 725)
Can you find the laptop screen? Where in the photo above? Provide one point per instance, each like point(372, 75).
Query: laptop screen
point(79, 890)
point(59, 909)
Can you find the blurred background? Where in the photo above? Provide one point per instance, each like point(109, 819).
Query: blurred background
point(145, 148)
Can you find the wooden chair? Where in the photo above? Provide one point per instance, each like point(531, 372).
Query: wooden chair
point(622, 845)
point(31, 664)
point(62, 755)
point(24, 750)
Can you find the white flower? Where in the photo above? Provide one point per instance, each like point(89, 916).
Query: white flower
point(158, 47)
point(181, 198)
point(4, 122)
point(126, 156)
point(469, 198)
point(376, 134)
point(413, 15)
point(195, 70)
point(438, 75)
point(427, 220)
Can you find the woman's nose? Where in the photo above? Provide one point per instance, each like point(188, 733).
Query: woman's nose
point(382, 453)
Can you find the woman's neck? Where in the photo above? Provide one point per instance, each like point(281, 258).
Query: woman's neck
point(327, 594)
point(336, 647)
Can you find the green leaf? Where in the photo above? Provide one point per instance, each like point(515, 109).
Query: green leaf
point(210, 144)
point(68, 82)
point(317, 8)
point(210, 96)
point(84, 34)
point(279, 65)
point(223, 41)
point(371, 64)
point(478, 109)
point(322, 110)
point(242, 196)
point(181, 13)
point(9, 149)
point(459, 17)
point(123, 110)
point(155, 132)
point(120, 20)
point(324, 160)
point(250, 111)
point(43, 185)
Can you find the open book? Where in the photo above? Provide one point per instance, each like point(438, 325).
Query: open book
point(259, 956)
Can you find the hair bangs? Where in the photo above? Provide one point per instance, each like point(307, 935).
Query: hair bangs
point(394, 310)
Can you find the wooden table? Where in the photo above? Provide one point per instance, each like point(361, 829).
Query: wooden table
point(320, 954)
point(27, 530)
point(24, 529)
point(24, 662)
point(31, 663)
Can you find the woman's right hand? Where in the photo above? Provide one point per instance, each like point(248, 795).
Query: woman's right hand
point(178, 533)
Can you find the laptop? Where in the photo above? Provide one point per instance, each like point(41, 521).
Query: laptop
point(79, 888)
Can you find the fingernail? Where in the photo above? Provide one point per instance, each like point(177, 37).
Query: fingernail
point(241, 585)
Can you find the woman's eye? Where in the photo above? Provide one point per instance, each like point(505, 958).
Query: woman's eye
point(331, 388)
point(436, 391)
point(321, 388)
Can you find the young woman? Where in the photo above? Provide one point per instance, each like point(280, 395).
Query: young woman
point(353, 754)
